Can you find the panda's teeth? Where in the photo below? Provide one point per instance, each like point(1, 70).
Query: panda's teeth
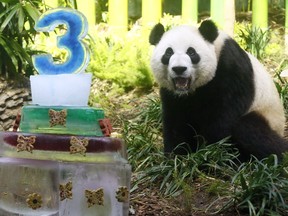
point(181, 84)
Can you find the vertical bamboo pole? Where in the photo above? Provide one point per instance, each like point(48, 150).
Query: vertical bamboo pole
point(88, 8)
point(286, 26)
point(218, 12)
point(223, 14)
point(260, 13)
point(151, 12)
point(118, 15)
point(190, 11)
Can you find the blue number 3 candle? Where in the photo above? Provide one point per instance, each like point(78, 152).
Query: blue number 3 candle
point(78, 55)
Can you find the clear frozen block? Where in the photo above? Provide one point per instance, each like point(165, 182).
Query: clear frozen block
point(61, 89)
point(98, 184)
point(29, 187)
point(95, 189)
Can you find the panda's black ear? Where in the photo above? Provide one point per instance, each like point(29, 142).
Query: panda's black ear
point(208, 30)
point(156, 34)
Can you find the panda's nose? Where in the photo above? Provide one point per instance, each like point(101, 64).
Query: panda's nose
point(179, 70)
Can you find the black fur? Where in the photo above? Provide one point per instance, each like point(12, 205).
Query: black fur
point(253, 136)
point(217, 110)
point(193, 55)
point(156, 34)
point(167, 55)
point(209, 30)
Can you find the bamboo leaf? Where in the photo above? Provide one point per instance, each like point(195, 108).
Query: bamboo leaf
point(21, 53)
point(8, 50)
point(33, 12)
point(165, 180)
point(9, 1)
point(5, 11)
point(9, 17)
point(243, 182)
point(21, 19)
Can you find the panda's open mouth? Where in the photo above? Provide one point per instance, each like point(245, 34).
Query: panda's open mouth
point(182, 83)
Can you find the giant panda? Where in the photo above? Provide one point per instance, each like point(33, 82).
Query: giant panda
point(211, 88)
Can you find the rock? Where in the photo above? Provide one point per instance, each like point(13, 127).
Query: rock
point(12, 98)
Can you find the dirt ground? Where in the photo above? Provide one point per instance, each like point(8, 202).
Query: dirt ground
point(149, 202)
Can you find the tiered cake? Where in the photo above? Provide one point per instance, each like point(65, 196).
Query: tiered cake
point(62, 161)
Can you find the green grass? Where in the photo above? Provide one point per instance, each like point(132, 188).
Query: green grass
point(261, 187)
point(254, 39)
point(282, 82)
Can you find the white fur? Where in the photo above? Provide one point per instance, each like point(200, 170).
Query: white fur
point(180, 39)
point(219, 43)
point(267, 101)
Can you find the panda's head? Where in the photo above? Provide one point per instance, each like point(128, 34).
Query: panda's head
point(184, 57)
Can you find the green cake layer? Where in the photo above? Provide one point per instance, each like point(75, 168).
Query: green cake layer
point(61, 120)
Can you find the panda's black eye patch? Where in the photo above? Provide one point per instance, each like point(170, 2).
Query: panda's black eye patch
point(169, 51)
point(191, 52)
point(167, 55)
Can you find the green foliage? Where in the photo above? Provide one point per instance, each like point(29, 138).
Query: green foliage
point(68, 3)
point(17, 19)
point(123, 62)
point(275, 47)
point(169, 21)
point(142, 134)
point(218, 187)
point(282, 83)
point(261, 187)
point(174, 172)
point(255, 40)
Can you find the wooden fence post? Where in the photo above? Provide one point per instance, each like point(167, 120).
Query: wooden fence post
point(260, 13)
point(151, 12)
point(118, 15)
point(190, 11)
point(88, 8)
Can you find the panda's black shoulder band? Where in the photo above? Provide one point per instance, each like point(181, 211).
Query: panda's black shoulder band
point(156, 34)
point(208, 30)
